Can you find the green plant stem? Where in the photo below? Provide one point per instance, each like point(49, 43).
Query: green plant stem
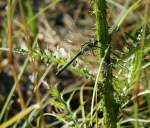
point(10, 30)
point(103, 37)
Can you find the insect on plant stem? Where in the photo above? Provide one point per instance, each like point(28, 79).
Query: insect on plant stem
point(87, 46)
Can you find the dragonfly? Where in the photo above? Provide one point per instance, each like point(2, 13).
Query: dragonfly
point(86, 47)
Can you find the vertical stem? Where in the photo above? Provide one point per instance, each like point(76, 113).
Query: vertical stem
point(103, 37)
point(10, 30)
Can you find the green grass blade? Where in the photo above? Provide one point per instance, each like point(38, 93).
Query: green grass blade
point(19, 116)
point(14, 86)
point(43, 10)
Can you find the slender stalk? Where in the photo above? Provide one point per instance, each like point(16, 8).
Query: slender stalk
point(3, 110)
point(103, 37)
point(10, 30)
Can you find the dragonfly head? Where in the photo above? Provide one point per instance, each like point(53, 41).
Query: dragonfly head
point(93, 41)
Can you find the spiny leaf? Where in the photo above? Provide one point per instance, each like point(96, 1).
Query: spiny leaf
point(54, 92)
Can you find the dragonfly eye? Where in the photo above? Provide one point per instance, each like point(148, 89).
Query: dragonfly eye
point(94, 41)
